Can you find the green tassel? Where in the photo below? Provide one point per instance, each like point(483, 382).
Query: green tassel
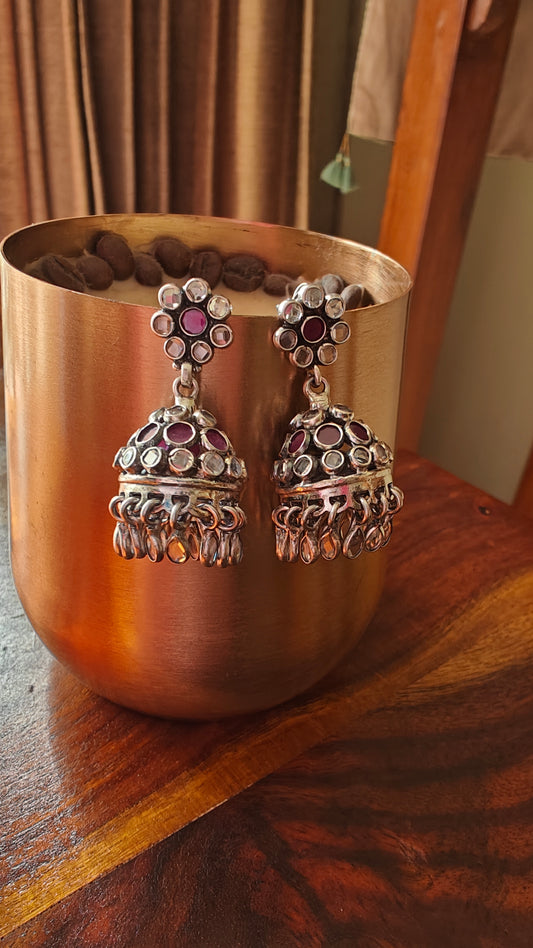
point(332, 173)
point(338, 173)
point(347, 181)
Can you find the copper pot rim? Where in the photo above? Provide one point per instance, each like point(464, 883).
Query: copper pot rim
point(12, 246)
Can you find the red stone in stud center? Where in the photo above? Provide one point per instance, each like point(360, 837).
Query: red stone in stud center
point(313, 329)
point(193, 321)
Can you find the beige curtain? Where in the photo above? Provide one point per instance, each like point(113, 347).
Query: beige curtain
point(187, 106)
point(381, 65)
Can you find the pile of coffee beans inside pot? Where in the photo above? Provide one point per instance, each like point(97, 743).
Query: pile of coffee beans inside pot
point(109, 257)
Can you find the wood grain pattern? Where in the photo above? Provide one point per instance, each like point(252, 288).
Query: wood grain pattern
point(449, 98)
point(413, 830)
point(92, 786)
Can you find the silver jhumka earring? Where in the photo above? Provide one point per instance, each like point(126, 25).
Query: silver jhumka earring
point(333, 475)
point(180, 479)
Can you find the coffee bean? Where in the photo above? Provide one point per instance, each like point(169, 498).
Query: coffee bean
point(116, 252)
point(332, 283)
point(207, 264)
point(147, 270)
point(96, 272)
point(290, 287)
point(356, 296)
point(243, 272)
point(60, 271)
point(35, 270)
point(275, 284)
point(174, 256)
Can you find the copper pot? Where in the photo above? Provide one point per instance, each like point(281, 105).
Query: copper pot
point(81, 374)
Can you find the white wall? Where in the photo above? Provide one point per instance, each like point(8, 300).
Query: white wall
point(479, 422)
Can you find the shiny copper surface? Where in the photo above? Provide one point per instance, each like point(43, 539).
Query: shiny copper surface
point(81, 374)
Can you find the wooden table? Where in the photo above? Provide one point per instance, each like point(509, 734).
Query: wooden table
point(391, 806)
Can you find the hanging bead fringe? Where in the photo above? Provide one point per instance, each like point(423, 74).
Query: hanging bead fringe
point(208, 532)
point(311, 529)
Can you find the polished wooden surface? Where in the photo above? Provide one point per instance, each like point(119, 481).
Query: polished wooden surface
point(451, 89)
point(396, 803)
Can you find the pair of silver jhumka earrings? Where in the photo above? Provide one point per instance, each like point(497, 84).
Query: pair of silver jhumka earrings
point(180, 480)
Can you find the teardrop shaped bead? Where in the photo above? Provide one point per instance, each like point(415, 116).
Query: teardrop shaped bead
point(236, 550)
point(224, 548)
point(154, 547)
point(125, 542)
point(309, 547)
point(282, 544)
point(209, 548)
point(138, 540)
point(293, 546)
point(117, 541)
point(353, 541)
point(330, 544)
point(386, 530)
point(373, 538)
point(177, 550)
point(192, 541)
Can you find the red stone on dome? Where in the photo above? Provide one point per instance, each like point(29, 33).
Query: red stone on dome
point(296, 441)
point(216, 439)
point(180, 432)
point(146, 433)
point(328, 435)
point(359, 431)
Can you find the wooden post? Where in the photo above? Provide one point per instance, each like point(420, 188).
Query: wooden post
point(454, 73)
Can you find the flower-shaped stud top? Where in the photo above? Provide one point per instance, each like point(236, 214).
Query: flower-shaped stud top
point(311, 326)
point(192, 320)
